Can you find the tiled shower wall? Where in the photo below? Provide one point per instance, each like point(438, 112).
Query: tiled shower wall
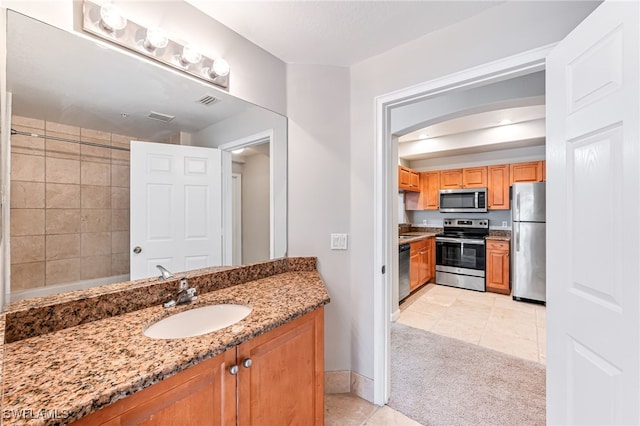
point(69, 205)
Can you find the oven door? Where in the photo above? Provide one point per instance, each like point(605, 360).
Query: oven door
point(461, 255)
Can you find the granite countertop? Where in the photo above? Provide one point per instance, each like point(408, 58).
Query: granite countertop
point(78, 370)
point(498, 238)
point(415, 237)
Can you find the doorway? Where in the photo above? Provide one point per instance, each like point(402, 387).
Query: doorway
point(386, 187)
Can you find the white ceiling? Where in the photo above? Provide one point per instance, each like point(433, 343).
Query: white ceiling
point(483, 120)
point(338, 33)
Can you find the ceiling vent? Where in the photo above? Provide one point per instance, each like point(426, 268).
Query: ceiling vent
point(161, 117)
point(207, 100)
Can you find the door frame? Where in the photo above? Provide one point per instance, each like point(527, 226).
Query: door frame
point(386, 183)
point(246, 142)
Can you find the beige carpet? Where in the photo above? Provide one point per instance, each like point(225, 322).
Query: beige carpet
point(439, 381)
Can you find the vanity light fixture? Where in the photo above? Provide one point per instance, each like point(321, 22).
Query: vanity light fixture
point(190, 55)
point(220, 68)
point(107, 22)
point(156, 39)
point(111, 18)
point(238, 151)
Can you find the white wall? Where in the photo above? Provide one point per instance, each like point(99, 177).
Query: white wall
point(318, 111)
point(255, 209)
point(501, 31)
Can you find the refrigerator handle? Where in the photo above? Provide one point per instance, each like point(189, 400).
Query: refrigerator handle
point(517, 207)
point(517, 224)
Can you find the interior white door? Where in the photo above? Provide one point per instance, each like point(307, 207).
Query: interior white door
point(176, 208)
point(593, 207)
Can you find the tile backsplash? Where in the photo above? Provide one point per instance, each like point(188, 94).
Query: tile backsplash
point(69, 205)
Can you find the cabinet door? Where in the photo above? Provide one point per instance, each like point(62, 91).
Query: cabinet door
point(431, 190)
point(451, 179)
point(474, 177)
point(285, 383)
point(200, 395)
point(414, 269)
point(430, 259)
point(404, 178)
point(498, 187)
point(526, 172)
point(498, 267)
point(415, 180)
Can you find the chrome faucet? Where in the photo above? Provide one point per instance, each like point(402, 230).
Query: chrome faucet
point(184, 295)
point(165, 274)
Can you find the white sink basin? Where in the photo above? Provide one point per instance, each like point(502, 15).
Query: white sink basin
point(196, 322)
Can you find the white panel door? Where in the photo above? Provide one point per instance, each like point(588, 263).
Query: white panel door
point(593, 207)
point(176, 208)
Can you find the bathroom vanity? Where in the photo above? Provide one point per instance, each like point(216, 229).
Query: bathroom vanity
point(71, 359)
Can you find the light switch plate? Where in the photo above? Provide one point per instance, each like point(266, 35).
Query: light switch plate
point(338, 241)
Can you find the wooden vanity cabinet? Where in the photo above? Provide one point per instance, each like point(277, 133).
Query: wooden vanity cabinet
point(498, 187)
point(283, 384)
point(497, 272)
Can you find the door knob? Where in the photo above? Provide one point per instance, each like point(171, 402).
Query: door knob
point(137, 249)
point(233, 370)
point(247, 363)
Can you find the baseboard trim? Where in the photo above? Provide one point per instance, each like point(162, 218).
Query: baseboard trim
point(337, 382)
point(395, 315)
point(362, 386)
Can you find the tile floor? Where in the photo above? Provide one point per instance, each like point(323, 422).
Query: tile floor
point(491, 320)
point(486, 319)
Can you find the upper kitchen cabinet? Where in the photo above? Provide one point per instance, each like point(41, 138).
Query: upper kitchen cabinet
point(498, 187)
point(429, 196)
point(474, 177)
point(408, 179)
point(451, 179)
point(527, 172)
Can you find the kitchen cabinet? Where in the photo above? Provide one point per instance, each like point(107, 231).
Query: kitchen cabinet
point(275, 378)
point(451, 179)
point(422, 262)
point(408, 179)
point(429, 196)
point(526, 172)
point(474, 177)
point(498, 187)
point(497, 258)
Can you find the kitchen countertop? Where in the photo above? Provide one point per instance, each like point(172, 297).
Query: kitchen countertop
point(498, 238)
point(415, 236)
point(77, 370)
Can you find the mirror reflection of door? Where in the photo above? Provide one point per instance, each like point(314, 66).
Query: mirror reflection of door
point(251, 196)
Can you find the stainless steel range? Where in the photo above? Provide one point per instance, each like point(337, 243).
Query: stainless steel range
point(460, 253)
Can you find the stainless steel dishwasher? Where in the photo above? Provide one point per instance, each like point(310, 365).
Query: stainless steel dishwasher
point(404, 258)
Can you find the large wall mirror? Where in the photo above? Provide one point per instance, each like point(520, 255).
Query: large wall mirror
point(70, 202)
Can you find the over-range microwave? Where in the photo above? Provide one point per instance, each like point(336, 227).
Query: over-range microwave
point(469, 200)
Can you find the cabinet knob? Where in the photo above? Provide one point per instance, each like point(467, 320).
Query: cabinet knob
point(233, 370)
point(247, 363)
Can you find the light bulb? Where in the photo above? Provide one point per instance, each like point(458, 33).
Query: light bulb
point(190, 55)
point(111, 18)
point(220, 68)
point(156, 39)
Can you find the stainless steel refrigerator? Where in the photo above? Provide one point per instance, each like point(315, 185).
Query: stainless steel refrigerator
point(528, 242)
